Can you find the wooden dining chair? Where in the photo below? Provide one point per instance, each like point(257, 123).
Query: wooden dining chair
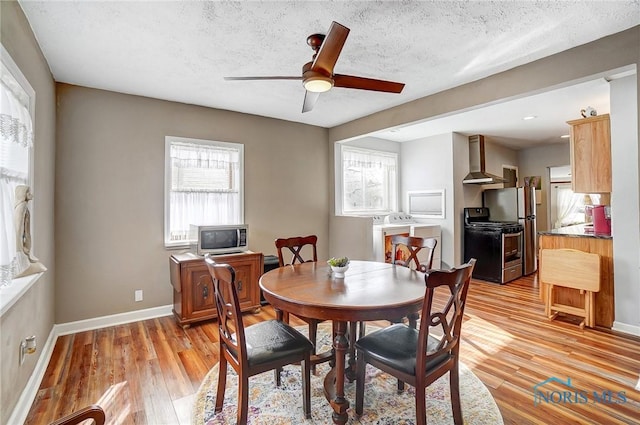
point(412, 246)
point(94, 412)
point(264, 346)
point(297, 246)
point(419, 357)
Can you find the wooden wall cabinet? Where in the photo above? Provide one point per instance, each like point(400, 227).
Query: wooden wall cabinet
point(193, 298)
point(591, 155)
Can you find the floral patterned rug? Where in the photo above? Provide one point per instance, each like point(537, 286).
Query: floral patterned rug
point(383, 405)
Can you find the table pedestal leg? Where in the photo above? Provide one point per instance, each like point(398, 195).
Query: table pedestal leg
point(350, 373)
point(334, 381)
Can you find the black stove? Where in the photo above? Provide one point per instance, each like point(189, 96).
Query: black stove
point(496, 245)
point(478, 219)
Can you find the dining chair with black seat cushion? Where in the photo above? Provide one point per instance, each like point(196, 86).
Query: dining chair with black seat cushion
point(296, 246)
point(412, 245)
point(421, 356)
point(258, 348)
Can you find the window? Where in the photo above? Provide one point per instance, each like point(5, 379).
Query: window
point(17, 99)
point(203, 185)
point(569, 208)
point(368, 181)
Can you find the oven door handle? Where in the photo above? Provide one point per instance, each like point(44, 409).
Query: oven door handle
point(506, 235)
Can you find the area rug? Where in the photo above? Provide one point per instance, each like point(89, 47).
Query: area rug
point(383, 405)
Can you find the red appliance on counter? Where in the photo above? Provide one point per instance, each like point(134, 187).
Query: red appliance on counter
point(601, 219)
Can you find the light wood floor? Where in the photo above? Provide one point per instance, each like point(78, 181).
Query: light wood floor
point(146, 372)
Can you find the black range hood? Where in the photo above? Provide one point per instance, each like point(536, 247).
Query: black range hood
point(477, 173)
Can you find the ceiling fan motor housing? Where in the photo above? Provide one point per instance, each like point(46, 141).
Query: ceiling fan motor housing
point(315, 81)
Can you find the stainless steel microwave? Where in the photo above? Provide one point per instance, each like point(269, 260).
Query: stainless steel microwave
point(223, 239)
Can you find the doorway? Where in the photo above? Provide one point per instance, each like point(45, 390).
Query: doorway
point(510, 175)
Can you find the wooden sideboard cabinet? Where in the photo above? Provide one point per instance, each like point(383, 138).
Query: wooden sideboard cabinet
point(591, 155)
point(193, 298)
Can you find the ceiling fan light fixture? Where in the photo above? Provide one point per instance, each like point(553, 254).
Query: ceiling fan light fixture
point(318, 84)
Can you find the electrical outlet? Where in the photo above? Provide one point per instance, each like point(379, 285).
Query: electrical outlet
point(27, 346)
point(138, 295)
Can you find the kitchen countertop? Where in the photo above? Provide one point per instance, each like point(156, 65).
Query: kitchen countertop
point(577, 231)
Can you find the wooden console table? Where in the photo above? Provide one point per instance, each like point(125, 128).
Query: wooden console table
point(193, 299)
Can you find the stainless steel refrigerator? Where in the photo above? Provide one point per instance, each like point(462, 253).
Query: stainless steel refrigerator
point(516, 204)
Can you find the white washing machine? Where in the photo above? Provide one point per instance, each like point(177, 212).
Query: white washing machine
point(401, 224)
point(383, 228)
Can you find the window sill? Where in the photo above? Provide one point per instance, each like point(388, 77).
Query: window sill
point(364, 213)
point(176, 245)
point(9, 295)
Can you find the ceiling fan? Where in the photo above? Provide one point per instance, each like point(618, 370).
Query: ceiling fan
point(318, 77)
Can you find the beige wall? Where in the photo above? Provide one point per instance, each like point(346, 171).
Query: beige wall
point(110, 199)
point(625, 201)
point(33, 314)
point(427, 164)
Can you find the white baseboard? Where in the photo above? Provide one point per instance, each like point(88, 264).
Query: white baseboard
point(112, 320)
point(626, 328)
point(21, 410)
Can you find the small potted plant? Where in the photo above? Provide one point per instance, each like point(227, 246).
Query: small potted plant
point(339, 265)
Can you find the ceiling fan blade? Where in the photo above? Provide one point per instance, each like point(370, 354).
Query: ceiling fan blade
point(351, 82)
point(310, 99)
point(330, 48)
point(275, 77)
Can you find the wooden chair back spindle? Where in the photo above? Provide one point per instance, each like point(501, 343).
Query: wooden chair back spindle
point(413, 246)
point(295, 245)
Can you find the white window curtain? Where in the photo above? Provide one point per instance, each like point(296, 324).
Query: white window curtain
point(16, 138)
point(568, 204)
point(204, 187)
point(369, 180)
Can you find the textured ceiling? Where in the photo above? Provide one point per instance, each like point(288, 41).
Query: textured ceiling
point(181, 51)
point(503, 123)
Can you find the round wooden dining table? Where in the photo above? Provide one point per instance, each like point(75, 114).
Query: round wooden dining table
point(369, 291)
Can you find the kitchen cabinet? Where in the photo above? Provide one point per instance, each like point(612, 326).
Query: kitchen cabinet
point(591, 155)
point(193, 298)
point(574, 237)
